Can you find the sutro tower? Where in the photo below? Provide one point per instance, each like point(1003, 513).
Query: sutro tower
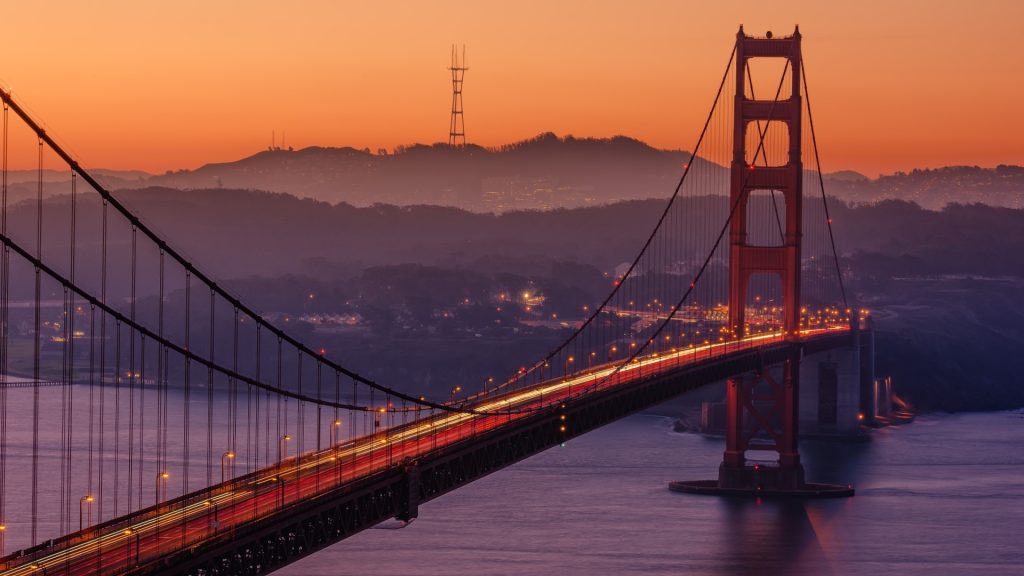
point(457, 129)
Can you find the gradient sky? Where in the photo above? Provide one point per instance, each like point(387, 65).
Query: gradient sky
point(169, 85)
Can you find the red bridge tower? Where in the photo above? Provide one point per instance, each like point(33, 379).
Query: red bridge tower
point(762, 406)
point(755, 403)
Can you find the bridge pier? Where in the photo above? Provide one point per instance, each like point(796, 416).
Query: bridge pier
point(830, 394)
point(763, 415)
point(408, 495)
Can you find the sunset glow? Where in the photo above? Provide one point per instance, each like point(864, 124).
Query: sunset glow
point(162, 87)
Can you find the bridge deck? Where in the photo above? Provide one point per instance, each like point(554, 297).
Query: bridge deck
point(269, 518)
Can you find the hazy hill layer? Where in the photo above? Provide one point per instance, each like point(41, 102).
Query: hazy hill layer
point(544, 172)
point(945, 285)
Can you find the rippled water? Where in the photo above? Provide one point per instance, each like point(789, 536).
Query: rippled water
point(944, 495)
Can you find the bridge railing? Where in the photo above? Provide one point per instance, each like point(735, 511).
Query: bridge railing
point(196, 517)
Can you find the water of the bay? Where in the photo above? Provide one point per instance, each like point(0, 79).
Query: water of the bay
point(943, 495)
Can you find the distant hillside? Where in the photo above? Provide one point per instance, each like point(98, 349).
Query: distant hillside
point(999, 186)
point(944, 285)
point(240, 233)
point(544, 172)
point(847, 176)
point(549, 172)
point(24, 184)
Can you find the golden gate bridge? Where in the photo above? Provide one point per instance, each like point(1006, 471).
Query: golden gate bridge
point(168, 427)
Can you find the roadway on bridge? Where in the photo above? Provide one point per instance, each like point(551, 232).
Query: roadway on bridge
point(118, 546)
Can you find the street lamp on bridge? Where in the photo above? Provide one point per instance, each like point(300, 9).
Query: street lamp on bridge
point(333, 431)
point(82, 502)
point(160, 477)
point(215, 523)
point(227, 458)
point(282, 447)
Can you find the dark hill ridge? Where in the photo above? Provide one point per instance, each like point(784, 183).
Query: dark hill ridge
point(550, 171)
point(945, 285)
point(243, 232)
point(544, 172)
point(935, 188)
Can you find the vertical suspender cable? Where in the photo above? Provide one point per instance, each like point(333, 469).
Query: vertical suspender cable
point(319, 395)
point(256, 427)
point(131, 370)
point(318, 428)
point(117, 416)
point(209, 392)
point(70, 321)
point(36, 343)
point(233, 394)
point(186, 425)
point(280, 383)
point(103, 363)
point(4, 331)
point(300, 416)
point(142, 412)
point(92, 402)
point(161, 388)
point(63, 418)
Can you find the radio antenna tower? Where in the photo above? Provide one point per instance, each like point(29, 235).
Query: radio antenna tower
point(457, 129)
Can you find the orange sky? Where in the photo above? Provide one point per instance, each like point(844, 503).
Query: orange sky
point(168, 85)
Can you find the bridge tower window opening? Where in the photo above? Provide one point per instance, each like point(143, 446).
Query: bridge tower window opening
point(765, 222)
point(767, 142)
point(763, 312)
point(762, 78)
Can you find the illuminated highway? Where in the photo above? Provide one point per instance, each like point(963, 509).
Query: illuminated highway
point(175, 526)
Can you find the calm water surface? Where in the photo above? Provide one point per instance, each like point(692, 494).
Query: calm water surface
point(944, 495)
